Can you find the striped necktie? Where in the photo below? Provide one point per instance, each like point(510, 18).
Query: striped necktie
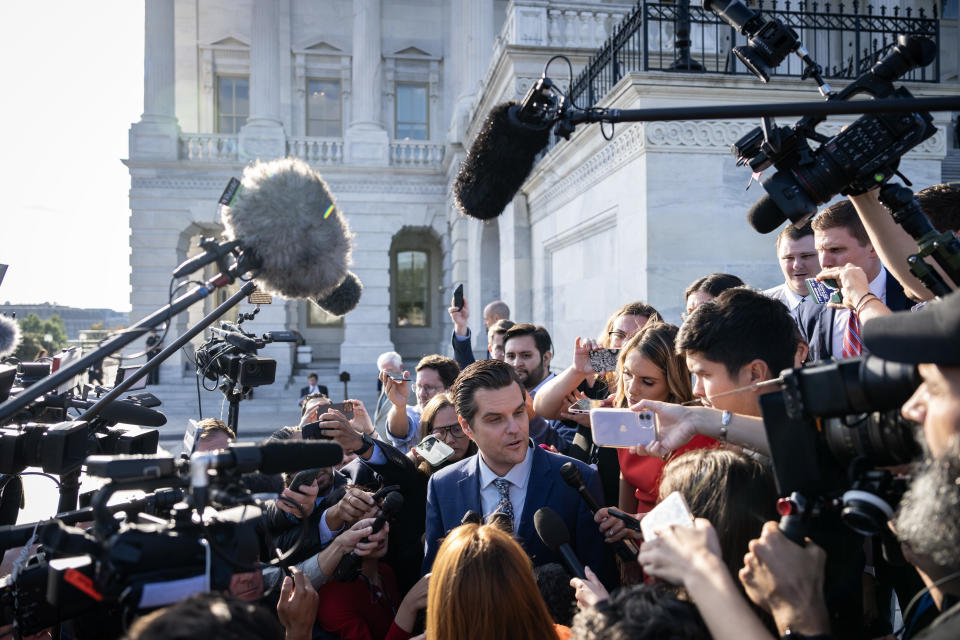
point(852, 345)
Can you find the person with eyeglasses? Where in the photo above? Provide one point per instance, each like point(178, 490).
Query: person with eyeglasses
point(435, 374)
point(439, 418)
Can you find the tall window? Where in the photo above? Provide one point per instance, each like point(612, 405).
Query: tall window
point(233, 103)
point(412, 116)
point(323, 108)
point(413, 291)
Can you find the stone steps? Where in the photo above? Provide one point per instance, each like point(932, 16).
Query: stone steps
point(950, 169)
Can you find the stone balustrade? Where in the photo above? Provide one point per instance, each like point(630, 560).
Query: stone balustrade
point(413, 153)
point(316, 150)
point(209, 147)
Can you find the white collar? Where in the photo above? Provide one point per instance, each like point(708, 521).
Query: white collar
point(518, 474)
point(878, 286)
point(793, 299)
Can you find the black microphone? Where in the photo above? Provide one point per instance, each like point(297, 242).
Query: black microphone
point(274, 457)
point(290, 228)
point(626, 548)
point(765, 216)
point(349, 566)
point(552, 530)
point(498, 162)
point(126, 412)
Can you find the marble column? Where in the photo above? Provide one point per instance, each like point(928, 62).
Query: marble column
point(367, 142)
point(263, 137)
point(475, 30)
point(156, 134)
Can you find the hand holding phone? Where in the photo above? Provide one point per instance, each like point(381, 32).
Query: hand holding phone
point(302, 478)
point(458, 297)
point(434, 450)
point(623, 428)
point(602, 360)
point(672, 510)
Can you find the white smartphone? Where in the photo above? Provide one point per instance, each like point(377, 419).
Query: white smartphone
point(672, 510)
point(434, 450)
point(623, 428)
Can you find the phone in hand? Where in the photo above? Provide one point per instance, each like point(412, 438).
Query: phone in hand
point(623, 428)
point(458, 297)
point(312, 431)
point(824, 291)
point(303, 478)
point(604, 359)
point(672, 510)
point(434, 450)
point(396, 376)
point(583, 406)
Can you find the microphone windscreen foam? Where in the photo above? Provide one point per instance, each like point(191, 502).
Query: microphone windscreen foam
point(551, 528)
point(285, 214)
point(498, 162)
point(9, 336)
point(344, 298)
point(765, 216)
point(279, 457)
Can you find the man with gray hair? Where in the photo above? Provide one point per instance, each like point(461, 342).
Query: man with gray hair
point(391, 362)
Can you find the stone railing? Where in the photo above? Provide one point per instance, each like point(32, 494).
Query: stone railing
point(551, 24)
point(209, 147)
point(409, 153)
point(316, 150)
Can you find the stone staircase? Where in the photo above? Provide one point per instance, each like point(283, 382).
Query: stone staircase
point(950, 169)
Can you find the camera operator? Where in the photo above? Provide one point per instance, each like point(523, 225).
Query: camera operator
point(940, 203)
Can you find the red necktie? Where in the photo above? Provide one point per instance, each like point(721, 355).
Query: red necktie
point(852, 346)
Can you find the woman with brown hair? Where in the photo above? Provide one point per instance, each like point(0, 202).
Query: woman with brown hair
point(439, 418)
point(482, 586)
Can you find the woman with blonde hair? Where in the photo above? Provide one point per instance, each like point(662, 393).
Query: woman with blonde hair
point(482, 586)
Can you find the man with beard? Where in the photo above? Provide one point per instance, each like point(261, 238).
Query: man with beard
point(528, 349)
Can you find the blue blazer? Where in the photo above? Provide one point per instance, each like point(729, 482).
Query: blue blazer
point(455, 490)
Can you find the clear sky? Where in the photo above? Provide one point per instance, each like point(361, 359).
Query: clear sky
point(72, 78)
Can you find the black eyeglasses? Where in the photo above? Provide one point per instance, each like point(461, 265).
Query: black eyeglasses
point(453, 429)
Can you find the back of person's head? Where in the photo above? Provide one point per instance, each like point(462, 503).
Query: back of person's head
point(389, 358)
point(446, 368)
point(655, 341)
point(713, 284)
point(553, 581)
point(841, 215)
point(647, 612)
point(482, 586)
point(500, 327)
point(941, 204)
point(212, 616)
point(212, 428)
point(497, 308)
point(482, 374)
point(732, 490)
point(794, 232)
point(286, 433)
point(741, 325)
point(540, 336)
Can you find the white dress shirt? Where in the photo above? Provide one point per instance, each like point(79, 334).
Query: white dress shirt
point(518, 477)
point(878, 287)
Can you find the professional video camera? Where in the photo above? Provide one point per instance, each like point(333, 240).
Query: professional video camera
point(832, 429)
point(122, 567)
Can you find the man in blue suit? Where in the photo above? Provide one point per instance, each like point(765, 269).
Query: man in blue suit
point(509, 475)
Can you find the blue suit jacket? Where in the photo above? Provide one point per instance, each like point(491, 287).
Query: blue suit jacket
point(455, 490)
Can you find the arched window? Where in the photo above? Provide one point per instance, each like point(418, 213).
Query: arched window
point(412, 302)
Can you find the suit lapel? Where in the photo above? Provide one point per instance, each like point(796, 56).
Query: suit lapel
point(896, 298)
point(538, 492)
point(469, 488)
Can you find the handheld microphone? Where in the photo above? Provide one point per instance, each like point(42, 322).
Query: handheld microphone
point(349, 565)
point(273, 457)
point(500, 159)
point(9, 336)
point(765, 216)
point(289, 226)
point(126, 412)
point(627, 549)
point(471, 517)
point(553, 532)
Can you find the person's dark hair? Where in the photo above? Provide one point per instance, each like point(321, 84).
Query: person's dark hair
point(208, 427)
point(732, 490)
point(643, 611)
point(714, 284)
point(446, 368)
point(208, 615)
point(553, 581)
point(540, 336)
point(941, 204)
point(739, 326)
point(313, 375)
point(795, 232)
point(482, 374)
point(500, 327)
point(841, 215)
point(285, 433)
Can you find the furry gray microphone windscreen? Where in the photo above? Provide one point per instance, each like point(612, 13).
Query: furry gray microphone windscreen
point(9, 336)
point(285, 214)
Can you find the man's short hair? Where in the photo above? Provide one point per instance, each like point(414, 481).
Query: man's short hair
point(208, 615)
point(314, 376)
point(482, 374)
point(640, 611)
point(739, 326)
point(447, 369)
point(794, 232)
point(714, 284)
point(941, 204)
point(499, 328)
point(540, 336)
point(209, 427)
point(389, 356)
point(498, 308)
point(841, 215)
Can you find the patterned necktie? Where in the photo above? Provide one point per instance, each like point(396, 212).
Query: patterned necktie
point(504, 506)
point(852, 345)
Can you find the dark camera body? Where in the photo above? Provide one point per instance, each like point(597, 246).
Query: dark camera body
point(220, 358)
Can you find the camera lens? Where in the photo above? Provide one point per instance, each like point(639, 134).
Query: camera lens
point(865, 512)
point(885, 438)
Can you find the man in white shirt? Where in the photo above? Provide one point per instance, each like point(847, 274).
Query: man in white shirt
point(798, 260)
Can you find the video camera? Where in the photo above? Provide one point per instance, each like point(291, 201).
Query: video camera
point(832, 429)
point(231, 353)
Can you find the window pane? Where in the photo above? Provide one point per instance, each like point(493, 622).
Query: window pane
point(412, 290)
point(412, 120)
point(233, 103)
point(323, 108)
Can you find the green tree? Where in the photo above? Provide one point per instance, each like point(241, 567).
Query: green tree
point(40, 334)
